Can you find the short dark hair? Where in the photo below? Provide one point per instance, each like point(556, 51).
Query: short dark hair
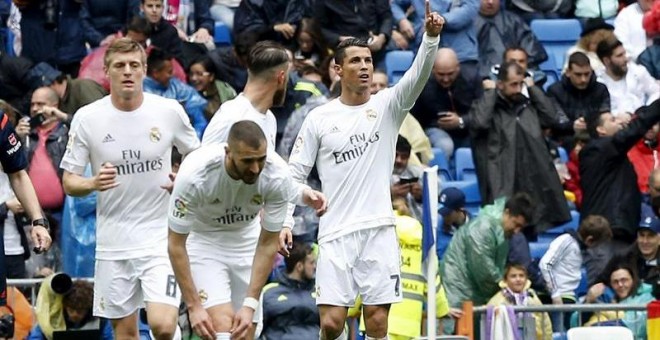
point(402, 145)
point(606, 47)
point(578, 59)
point(518, 266)
point(506, 67)
point(514, 49)
point(521, 204)
point(247, 132)
point(265, 56)
point(156, 60)
point(621, 262)
point(596, 226)
point(138, 24)
point(297, 254)
point(340, 51)
point(207, 64)
point(80, 297)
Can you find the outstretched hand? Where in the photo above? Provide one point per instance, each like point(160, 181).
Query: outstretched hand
point(433, 22)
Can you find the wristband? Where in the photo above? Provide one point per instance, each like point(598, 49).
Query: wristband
point(251, 302)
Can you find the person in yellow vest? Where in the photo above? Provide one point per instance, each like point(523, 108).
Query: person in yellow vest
point(405, 318)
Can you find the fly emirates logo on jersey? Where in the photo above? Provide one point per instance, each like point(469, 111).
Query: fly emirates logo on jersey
point(235, 215)
point(135, 164)
point(359, 143)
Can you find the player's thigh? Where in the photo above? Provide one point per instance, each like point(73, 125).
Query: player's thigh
point(240, 271)
point(378, 269)
point(158, 282)
point(211, 277)
point(117, 292)
point(335, 285)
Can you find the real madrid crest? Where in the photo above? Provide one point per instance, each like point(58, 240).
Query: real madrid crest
point(257, 199)
point(203, 296)
point(371, 114)
point(154, 134)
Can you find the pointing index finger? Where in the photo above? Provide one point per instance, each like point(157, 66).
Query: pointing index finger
point(428, 9)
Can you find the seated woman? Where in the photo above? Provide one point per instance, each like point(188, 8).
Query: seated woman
point(63, 305)
point(516, 291)
point(623, 286)
point(203, 77)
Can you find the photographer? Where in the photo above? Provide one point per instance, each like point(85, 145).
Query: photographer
point(45, 137)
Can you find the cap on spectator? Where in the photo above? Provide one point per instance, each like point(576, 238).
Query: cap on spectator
point(649, 222)
point(451, 199)
point(594, 24)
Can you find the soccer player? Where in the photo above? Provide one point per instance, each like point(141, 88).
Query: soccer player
point(218, 194)
point(127, 138)
point(351, 140)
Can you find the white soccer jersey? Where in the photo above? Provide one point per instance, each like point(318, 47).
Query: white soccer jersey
point(132, 217)
point(221, 211)
point(353, 148)
point(233, 111)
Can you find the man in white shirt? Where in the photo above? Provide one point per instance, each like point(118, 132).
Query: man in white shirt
point(628, 28)
point(127, 138)
point(217, 197)
point(351, 141)
point(630, 85)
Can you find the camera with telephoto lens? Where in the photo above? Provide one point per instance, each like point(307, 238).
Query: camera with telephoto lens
point(7, 326)
point(50, 11)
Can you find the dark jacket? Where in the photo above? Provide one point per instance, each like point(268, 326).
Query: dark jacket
point(202, 15)
point(15, 87)
point(262, 16)
point(166, 37)
point(650, 59)
point(608, 179)
point(55, 146)
point(353, 18)
point(496, 34)
point(80, 92)
point(457, 98)
point(576, 103)
point(510, 154)
point(101, 18)
point(293, 317)
point(64, 45)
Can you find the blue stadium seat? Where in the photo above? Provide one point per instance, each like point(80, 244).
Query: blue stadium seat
point(440, 159)
point(222, 34)
point(397, 63)
point(570, 225)
point(557, 36)
point(563, 155)
point(471, 190)
point(538, 249)
point(583, 287)
point(549, 68)
point(465, 170)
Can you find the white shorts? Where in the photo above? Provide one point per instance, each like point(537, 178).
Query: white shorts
point(122, 286)
point(365, 262)
point(219, 278)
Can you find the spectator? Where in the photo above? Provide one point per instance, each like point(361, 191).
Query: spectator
point(162, 34)
point(509, 150)
point(474, 262)
point(454, 215)
point(561, 264)
point(370, 20)
point(519, 56)
point(288, 304)
point(224, 10)
point(629, 84)
point(276, 20)
point(406, 180)
point(595, 30)
point(53, 34)
point(442, 108)
point(608, 180)
point(407, 23)
point(311, 47)
point(203, 78)
point(76, 93)
point(644, 254)
point(499, 30)
point(644, 157)
point(65, 305)
point(15, 84)
point(628, 28)
point(650, 57)
point(547, 9)
point(516, 291)
point(101, 20)
point(45, 139)
point(159, 81)
point(577, 95)
point(586, 9)
point(572, 184)
point(622, 286)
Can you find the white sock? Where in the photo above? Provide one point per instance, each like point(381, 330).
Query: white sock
point(372, 338)
point(223, 336)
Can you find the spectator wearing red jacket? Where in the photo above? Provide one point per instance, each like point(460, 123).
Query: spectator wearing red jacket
point(644, 157)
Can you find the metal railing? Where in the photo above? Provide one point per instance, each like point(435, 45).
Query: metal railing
point(479, 315)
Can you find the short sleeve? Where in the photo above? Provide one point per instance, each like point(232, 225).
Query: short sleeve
point(12, 158)
point(183, 205)
point(306, 145)
point(185, 137)
point(76, 155)
point(277, 202)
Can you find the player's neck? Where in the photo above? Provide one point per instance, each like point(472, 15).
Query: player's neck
point(127, 103)
point(353, 98)
point(259, 95)
point(229, 167)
